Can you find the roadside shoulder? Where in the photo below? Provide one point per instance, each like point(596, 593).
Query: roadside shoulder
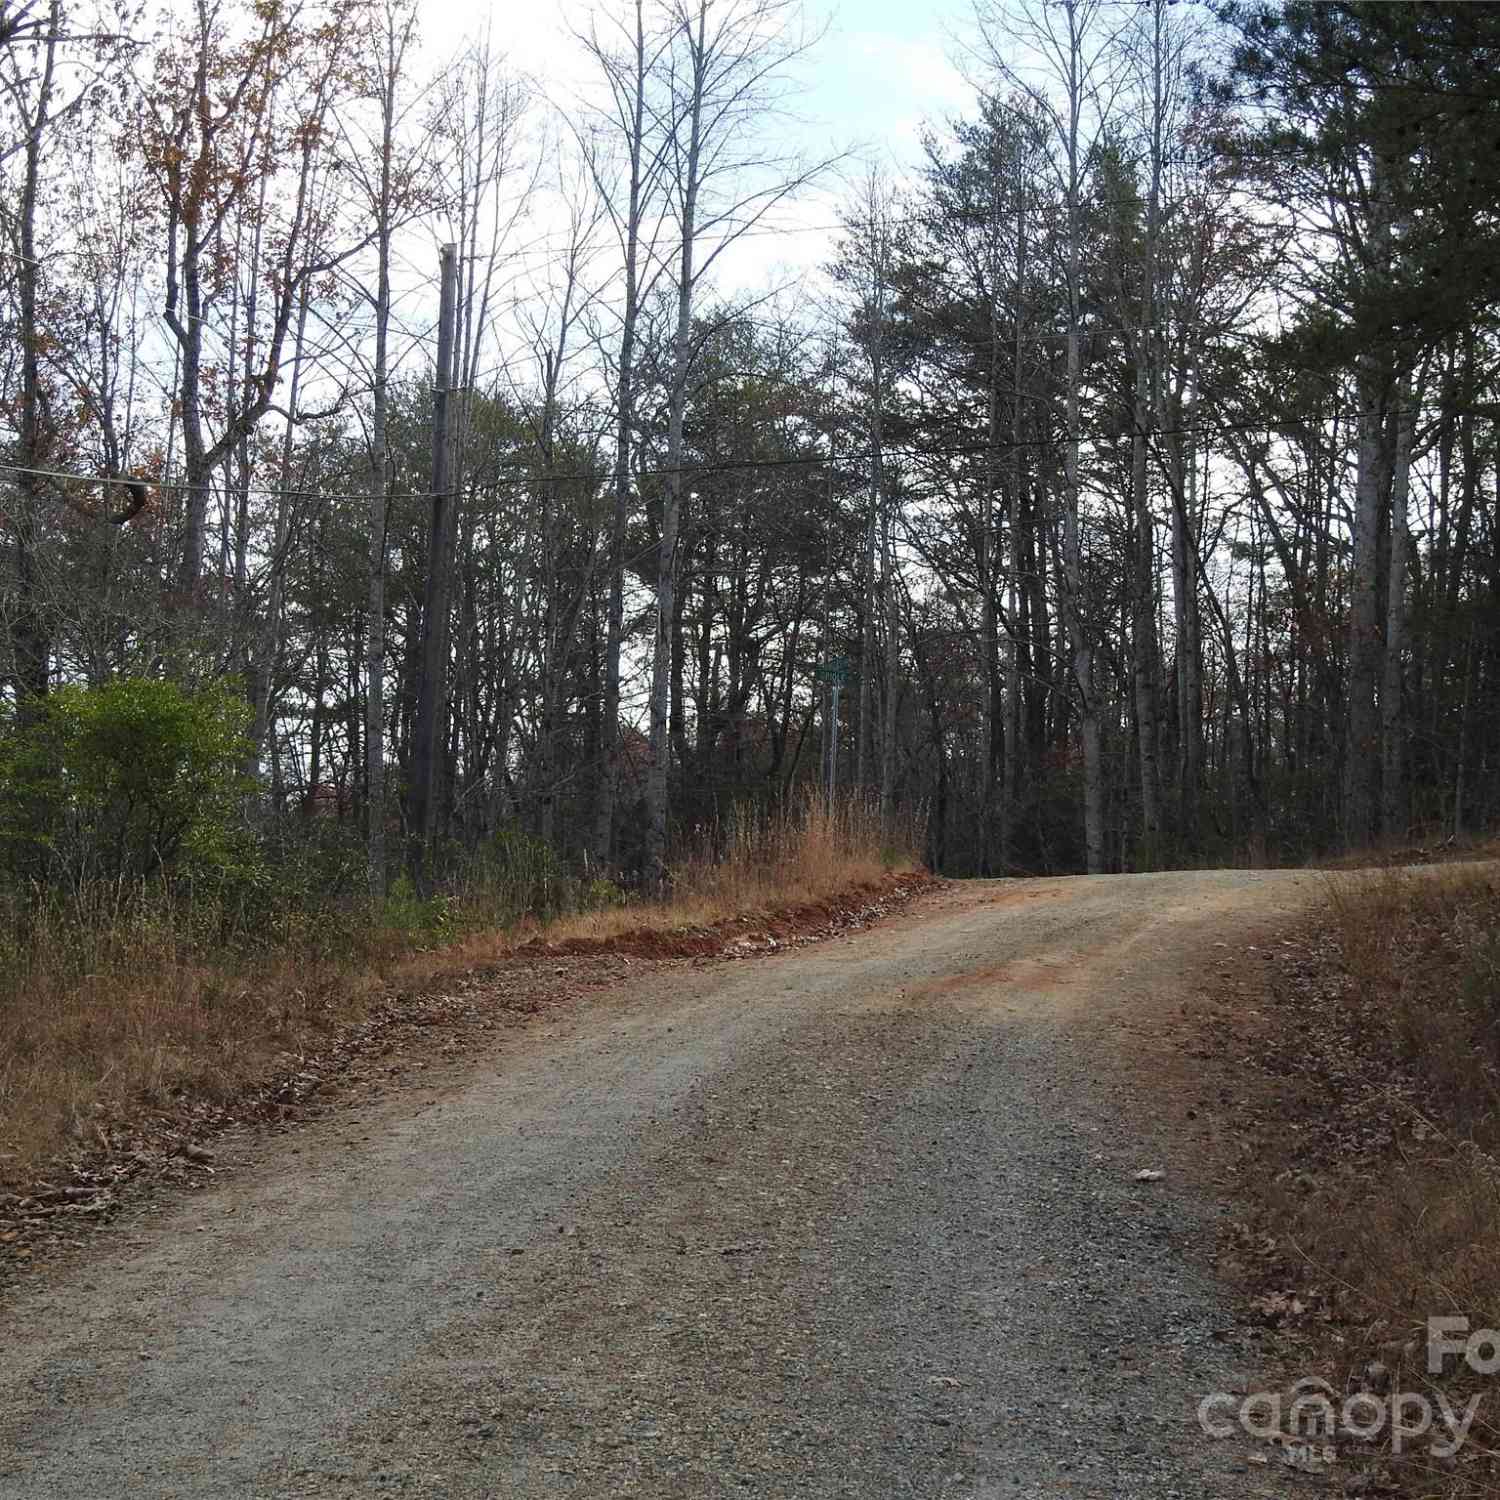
point(410, 1043)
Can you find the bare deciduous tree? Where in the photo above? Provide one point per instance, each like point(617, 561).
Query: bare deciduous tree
point(727, 66)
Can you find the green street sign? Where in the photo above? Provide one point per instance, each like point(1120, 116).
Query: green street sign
point(835, 671)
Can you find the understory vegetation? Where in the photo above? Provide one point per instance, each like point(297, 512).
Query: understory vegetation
point(140, 971)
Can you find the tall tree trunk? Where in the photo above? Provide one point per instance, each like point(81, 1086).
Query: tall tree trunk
point(989, 670)
point(1362, 749)
point(1013, 759)
point(393, 42)
point(989, 519)
point(1183, 480)
point(666, 575)
point(1144, 652)
point(1091, 731)
point(1374, 386)
point(1393, 721)
point(374, 655)
point(875, 229)
point(891, 583)
point(1143, 636)
point(196, 467)
point(267, 644)
point(864, 716)
point(604, 812)
point(321, 684)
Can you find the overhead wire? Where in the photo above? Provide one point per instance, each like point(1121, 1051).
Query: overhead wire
point(699, 470)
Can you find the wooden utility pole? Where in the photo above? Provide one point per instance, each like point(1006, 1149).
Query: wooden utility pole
point(834, 672)
point(833, 743)
point(30, 633)
point(433, 662)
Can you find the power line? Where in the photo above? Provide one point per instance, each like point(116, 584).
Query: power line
point(183, 487)
point(960, 450)
point(700, 470)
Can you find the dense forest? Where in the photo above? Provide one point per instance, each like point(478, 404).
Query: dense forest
point(391, 426)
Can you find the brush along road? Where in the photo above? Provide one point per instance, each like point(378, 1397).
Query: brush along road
point(859, 1219)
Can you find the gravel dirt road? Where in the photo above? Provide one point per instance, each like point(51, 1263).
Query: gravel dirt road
point(856, 1220)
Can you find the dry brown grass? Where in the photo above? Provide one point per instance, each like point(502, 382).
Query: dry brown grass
point(118, 1009)
point(1425, 953)
point(1429, 847)
point(1409, 1227)
point(756, 862)
point(140, 1020)
point(1424, 950)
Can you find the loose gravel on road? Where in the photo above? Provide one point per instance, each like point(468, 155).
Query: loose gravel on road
point(855, 1220)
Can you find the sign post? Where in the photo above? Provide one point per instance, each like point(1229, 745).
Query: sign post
point(835, 672)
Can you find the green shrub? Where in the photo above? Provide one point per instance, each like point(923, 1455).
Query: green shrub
point(408, 913)
point(131, 780)
point(600, 895)
point(512, 875)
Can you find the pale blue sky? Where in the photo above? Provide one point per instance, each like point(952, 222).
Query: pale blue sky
point(886, 67)
point(882, 70)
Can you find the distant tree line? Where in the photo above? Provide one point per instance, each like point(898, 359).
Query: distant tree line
point(1134, 462)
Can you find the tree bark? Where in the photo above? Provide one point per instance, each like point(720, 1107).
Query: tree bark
point(393, 42)
point(266, 642)
point(1144, 651)
point(1362, 747)
point(1090, 729)
point(666, 575)
point(1393, 720)
point(891, 582)
point(1183, 480)
point(609, 778)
